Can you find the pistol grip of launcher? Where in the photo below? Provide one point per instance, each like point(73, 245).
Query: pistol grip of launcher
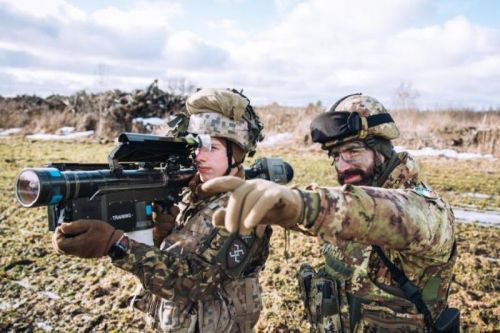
point(146, 235)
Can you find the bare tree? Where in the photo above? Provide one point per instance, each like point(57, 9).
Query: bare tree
point(405, 96)
point(180, 86)
point(101, 73)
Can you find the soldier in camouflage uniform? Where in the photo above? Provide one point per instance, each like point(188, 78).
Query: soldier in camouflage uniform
point(383, 209)
point(184, 286)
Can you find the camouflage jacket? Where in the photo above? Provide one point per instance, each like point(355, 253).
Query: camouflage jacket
point(415, 229)
point(185, 289)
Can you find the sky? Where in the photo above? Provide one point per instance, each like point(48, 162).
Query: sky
point(293, 52)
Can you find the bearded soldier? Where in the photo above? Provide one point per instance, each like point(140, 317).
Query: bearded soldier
point(387, 239)
point(185, 289)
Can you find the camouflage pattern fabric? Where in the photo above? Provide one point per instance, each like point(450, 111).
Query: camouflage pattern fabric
point(220, 126)
point(414, 227)
point(223, 101)
point(365, 106)
point(185, 289)
point(227, 114)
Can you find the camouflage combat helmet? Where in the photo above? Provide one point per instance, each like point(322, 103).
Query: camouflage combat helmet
point(353, 117)
point(225, 114)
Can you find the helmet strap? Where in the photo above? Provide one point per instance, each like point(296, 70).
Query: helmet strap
point(382, 168)
point(229, 154)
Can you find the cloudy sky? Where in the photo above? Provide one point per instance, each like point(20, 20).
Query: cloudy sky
point(288, 51)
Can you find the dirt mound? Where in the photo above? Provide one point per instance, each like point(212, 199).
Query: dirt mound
point(463, 131)
point(112, 112)
point(471, 136)
point(107, 113)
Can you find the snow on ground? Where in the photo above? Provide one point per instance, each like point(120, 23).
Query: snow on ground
point(55, 137)
point(154, 121)
point(9, 131)
point(275, 139)
point(450, 153)
point(490, 218)
point(286, 138)
point(65, 130)
point(44, 326)
point(477, 195)
point(68, 133)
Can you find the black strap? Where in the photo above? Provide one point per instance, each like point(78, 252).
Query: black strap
point(229, 154)
point(412, 293)
point(378, 119)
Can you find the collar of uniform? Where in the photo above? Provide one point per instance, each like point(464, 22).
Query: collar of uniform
point(405, 174)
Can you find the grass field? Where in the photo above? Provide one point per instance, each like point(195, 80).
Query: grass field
point(41, 291)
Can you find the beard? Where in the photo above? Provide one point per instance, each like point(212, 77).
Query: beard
point(362, 177)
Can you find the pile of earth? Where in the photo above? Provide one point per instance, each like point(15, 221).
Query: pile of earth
point(112, 112)
point(108, 113)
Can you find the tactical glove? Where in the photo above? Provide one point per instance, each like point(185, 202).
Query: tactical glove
point(163, 223)
point(255, 202)
point(85, 238)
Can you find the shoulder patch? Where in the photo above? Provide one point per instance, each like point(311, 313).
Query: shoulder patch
point(425, 192)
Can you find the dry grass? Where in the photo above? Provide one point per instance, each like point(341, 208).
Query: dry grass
point(462, 130)
point(92, 294)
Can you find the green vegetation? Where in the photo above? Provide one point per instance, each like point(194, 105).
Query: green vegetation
point(39, 287)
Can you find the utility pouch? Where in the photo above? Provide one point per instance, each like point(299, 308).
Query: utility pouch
point(448, 321)
point(305, 276)
point(329, 297)
point(321, 299)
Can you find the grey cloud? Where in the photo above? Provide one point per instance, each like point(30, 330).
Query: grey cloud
point(14, 25)
point(80, 37)
point(17, 59)
point(200, 56)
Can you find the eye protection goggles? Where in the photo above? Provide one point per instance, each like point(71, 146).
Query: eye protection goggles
point(335, 125)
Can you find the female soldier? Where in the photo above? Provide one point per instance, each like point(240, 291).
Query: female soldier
point(185, 289)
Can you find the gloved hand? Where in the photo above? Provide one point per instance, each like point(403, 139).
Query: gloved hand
point(255, 202)
point(85, 238)
point(163, 223)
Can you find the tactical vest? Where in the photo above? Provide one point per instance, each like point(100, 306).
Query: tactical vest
point(233, 305)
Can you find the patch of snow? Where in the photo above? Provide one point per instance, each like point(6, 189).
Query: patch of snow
point(65, 130)
point(155, 121)
point(10, 131)
point(477, 195)
point(50, 294)
point(44, 326)
point(450, 153)
point(24, 284)
point(490, 218)
point(56, 137)
point(5, 306)
point(276, 139)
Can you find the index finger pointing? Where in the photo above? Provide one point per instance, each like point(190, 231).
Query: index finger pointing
point(222, 184)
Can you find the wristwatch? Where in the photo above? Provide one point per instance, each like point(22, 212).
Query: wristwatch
point(119, 249)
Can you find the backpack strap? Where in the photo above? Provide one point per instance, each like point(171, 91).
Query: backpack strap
point(412, 293)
